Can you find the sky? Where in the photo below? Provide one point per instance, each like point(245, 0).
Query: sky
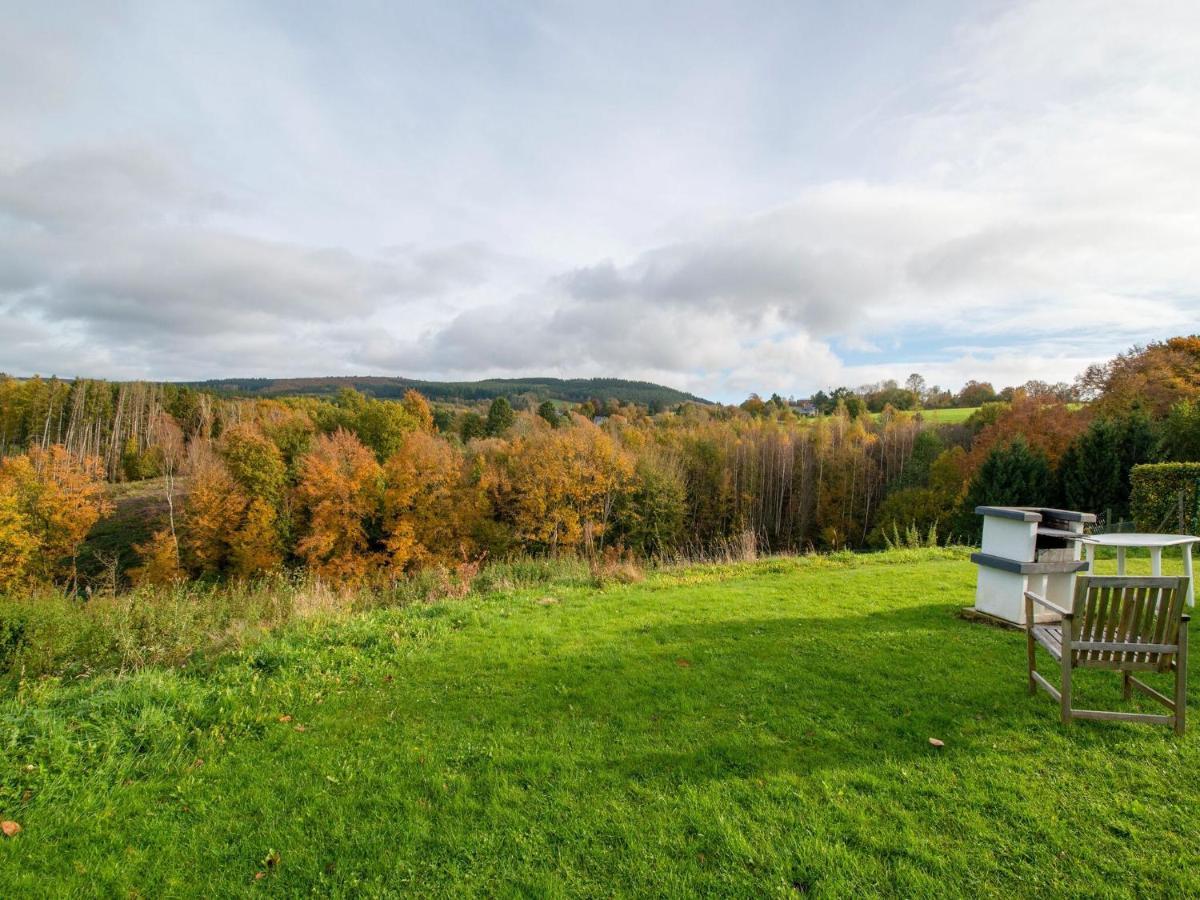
point(721, 197)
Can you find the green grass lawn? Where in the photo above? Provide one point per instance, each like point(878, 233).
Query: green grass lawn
point(750, 730)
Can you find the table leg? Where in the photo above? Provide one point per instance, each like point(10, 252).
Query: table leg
point(1120, 560)
point(1187, 570)
point(1156, 561)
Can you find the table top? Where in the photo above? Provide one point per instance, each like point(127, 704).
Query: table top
point(1135, 539)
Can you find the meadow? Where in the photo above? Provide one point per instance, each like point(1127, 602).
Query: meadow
point(755, 729)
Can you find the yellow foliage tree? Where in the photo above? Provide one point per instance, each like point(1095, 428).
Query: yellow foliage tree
point(256, 544)
point(554, 488)
point(17, 543)
point(159, 560)
point(418, 408)
point(338, 495)
point(428, 506)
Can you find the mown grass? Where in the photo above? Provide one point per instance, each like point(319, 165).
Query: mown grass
point(741, 730)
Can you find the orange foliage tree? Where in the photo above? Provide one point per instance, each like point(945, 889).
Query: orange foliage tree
point(429, 507)
point(212, 516)
point(1047, 426)
point(339, 497)
point(49, 501)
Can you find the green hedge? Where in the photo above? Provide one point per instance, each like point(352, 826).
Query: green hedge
point(1166, 497)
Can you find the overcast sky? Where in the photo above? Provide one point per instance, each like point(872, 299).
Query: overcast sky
point(724, 197)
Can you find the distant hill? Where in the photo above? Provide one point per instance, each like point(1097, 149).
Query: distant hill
point(572, 390)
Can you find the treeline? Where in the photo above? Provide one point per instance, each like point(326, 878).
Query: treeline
point(355, 487)
point(570, 390)
point(916, 394)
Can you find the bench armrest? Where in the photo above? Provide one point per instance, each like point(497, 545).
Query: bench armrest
point(1042, 601)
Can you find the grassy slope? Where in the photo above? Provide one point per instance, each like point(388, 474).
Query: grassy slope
point(752, 730)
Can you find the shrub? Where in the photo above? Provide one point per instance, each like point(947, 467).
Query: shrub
point(912, 509)
point(1166, 497)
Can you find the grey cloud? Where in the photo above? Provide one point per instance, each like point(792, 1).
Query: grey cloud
point(120, 244)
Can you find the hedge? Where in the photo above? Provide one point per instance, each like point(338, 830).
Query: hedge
point(1166, 497)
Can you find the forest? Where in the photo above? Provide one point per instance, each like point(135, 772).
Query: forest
point(357, 489)
point(574, 390)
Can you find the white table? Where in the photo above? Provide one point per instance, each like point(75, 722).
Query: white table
point(1154, 542)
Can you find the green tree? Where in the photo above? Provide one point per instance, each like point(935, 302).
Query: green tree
point(500, 417)
point(1012, 475)
point(1181, 433)
point(548, 411)
point(382, 425)
point(471, 426)
point(1094, 470)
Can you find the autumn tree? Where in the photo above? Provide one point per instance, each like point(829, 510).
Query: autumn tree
point(52, 500)
point(418, 410)
point(429, 509)
point(553, 489)
point(212, 516)
point(339, 494)
point(158, 560)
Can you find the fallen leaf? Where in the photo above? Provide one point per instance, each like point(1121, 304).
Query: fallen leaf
point(259, 876)
point(197, 763)
point(301, 728)
point(934, 742)
point(10, 828)
point(683, 663)
point(285, 718)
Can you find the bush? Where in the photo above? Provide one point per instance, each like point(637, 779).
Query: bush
point(1166, 497)
point(918, 510)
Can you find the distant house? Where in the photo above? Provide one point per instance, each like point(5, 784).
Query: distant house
point(804, 408)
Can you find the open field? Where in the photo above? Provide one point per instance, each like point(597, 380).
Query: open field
point(949, 416)
point(748, 730)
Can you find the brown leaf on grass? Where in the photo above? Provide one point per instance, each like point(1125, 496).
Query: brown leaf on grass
point(285, 718)
point(197, 763)
point(683, 663)
point(10, 828)
point(301, 728)
point(934, 742)
point(259, 876)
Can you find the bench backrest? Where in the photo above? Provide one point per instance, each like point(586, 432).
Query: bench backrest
point(1126, 623)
